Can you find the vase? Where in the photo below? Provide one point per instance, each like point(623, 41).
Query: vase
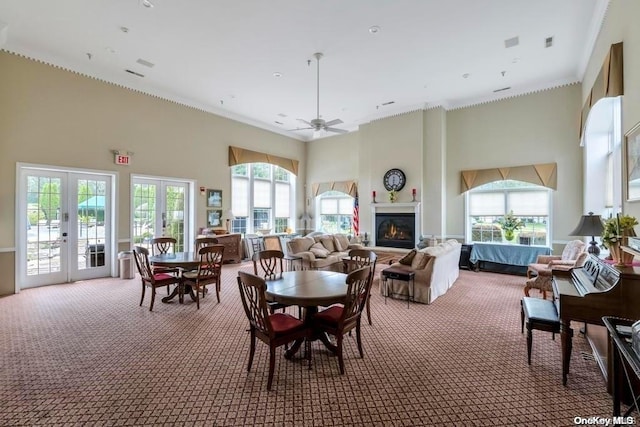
point(619, 256)
point(508, 235)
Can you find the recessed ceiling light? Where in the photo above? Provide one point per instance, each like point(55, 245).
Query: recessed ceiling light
point(124, 29)
point(548, 42)
point(110, 49)
point(513, 41)
point(466, 75)
point(147, 3)
point(374, 29)
point(277, 74)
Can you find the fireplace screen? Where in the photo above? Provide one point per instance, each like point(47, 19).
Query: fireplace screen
point(395, 230)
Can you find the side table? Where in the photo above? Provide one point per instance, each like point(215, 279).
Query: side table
point(395, 273)
point(291, 262)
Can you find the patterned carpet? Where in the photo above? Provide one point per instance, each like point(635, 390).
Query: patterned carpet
point(87, 354)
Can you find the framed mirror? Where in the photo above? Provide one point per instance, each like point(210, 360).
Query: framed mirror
point(632, 162)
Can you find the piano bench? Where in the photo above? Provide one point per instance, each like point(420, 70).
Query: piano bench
point(540, 314)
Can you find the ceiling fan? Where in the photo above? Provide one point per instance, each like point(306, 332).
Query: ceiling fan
point(319, 124)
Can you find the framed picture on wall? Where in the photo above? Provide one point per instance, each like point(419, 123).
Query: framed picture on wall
point(214, 218)
point(214, 198)
point(632, 162)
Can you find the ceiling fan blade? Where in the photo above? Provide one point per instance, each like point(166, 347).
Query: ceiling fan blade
point(293, 130)
point(304, 121)
point(333, 122)
point(336, 130)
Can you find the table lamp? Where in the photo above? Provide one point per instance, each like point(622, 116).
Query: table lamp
point(230, 217)
point(590, 225)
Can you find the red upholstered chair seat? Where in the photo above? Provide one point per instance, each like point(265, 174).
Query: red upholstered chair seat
point(283, 323)
point(331, 315)
point(163, 276)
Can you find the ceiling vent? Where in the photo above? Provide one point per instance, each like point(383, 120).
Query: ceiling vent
point(134, 73)
point(388, 103)
point(548, 42)
point(145, 63)
point(513, 41)
point(502, 89)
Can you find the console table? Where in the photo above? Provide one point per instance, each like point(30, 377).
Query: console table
point(501, 258)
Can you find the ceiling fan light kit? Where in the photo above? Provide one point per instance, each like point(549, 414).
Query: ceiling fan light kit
point(319, 124)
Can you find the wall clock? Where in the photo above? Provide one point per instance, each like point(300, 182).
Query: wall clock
point(394, 180)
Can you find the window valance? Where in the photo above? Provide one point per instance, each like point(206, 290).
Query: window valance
point(348, 187)
point(608, 83)
point(545, 174)
point(239, 155)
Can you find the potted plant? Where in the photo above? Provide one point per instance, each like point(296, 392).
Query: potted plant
point(616, 230)
point(510, 224)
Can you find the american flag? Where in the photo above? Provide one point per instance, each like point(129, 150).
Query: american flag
point(356, 216)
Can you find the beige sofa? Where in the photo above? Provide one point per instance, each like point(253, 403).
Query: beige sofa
point(321, 252)
point(436, 269)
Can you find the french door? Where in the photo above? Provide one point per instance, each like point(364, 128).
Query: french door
point(65, 226)
point(160, 208)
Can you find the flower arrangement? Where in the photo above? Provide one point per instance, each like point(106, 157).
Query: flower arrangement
point(510, 223)
point(393, 196)
point(617, 227)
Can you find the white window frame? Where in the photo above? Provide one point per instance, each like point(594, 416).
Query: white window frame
point(505, 192)
point(250, 194)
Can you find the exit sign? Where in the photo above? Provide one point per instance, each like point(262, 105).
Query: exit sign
point(123, 159)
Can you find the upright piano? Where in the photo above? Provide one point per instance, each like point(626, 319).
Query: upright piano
point(588, 293)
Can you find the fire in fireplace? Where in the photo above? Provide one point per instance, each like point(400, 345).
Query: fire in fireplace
point(395, 230)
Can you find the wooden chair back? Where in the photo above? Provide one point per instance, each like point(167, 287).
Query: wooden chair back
point(141, 255)
point(201, 242)
point(210, 262)
point(163, 245)
point(253, 293)
point(359, 285)
point(272, 243)
point(270, 262)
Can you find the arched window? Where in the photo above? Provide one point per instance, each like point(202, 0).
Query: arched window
point(262, 198)
point(335, 212)
point(493, 209)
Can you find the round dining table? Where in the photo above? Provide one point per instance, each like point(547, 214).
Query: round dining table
point(308, 289)
point(184, 261)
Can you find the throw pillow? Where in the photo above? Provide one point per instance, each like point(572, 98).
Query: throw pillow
point(408, 258)
point(420, 260)
point(318, 250)
point(327, 242)
point(341, 242)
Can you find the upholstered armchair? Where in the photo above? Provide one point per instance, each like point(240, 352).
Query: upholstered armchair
point(539, 273)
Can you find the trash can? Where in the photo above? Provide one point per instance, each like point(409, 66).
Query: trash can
point(95, 255)
point(127, 267)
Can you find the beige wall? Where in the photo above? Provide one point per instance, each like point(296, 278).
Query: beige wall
point(537, 128)
point(54, 117)
point(620, 25)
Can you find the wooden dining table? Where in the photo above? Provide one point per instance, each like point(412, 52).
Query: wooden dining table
point(309, 289)
point(183, 261)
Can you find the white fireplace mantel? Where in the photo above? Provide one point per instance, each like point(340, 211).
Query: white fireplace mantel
point(407, 207)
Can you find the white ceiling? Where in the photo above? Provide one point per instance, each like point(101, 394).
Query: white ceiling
point(221, 56)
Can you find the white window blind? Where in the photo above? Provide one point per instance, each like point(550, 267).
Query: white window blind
point(528, 203)
point(346, 206)
point(328, 206)
point(486, 204)
point(240, 199)
point(261, 194)
point(282, 200)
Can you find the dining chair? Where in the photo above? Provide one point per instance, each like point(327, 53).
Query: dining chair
point(272, 243)
point(149, 277)
point(208, 272)
point(201, 242)
point(274, 329)
point(359, 258)
point(268, 265)
point(342, 318)
point(164, 245)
